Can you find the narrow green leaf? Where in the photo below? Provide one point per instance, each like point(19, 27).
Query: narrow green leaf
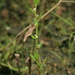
point(40, 44)
point(31, 10)
point(36, 2)
point(36, 55)
point(56, 55)
point(33, 37)
point(71, 35)
point(33, 58)
point(44, 61)
point(6, 55)
point(13, 68)
point(26, 68)
point(64, 20)
point(40, 15)
point(35, 22)
point(14, 42)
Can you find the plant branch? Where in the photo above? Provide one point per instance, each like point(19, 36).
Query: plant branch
point(69, 1)
point(51, 9)
point(39, 20)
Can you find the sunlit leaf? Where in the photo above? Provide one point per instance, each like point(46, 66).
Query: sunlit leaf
point(33, 37)
point(31, 10)
point(36, 2)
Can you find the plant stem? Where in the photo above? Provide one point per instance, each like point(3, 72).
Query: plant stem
point(36, 42)
point(37, 37)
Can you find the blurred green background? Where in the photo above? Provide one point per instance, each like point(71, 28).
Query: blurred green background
point(56, 31)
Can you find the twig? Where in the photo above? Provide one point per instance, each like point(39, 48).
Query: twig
point(51, 9)
point(31, 24)
point(69, 1)
point(30, 64)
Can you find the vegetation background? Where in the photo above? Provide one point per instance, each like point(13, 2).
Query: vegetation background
point(56, 32)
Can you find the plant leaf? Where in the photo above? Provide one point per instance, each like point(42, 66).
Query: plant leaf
point(35, 22)
point(33, 37)
point(40, 44)
point(36, 55)
point(36, 2)
point(66, 21)
point(31, 10)
point(33, 58)
point(40, 16)
point(44, 61)
point(29, 32)
point(56, 55)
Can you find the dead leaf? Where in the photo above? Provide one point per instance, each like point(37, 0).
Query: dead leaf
point(29, 32)
point(44, 42)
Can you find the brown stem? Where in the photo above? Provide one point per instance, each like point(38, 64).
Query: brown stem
point(69, 1)
point(51, 9)
point(29, 61)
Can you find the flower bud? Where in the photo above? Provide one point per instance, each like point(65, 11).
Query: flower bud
point(34, 9)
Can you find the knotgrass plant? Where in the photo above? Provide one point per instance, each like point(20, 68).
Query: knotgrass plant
point(34, 54)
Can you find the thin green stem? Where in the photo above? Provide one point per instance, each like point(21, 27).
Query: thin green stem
point(36, 40)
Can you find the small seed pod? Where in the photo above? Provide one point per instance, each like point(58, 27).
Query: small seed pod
point(17, 56)
point(38, 46)
point(34, 9)
point(36, 36)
